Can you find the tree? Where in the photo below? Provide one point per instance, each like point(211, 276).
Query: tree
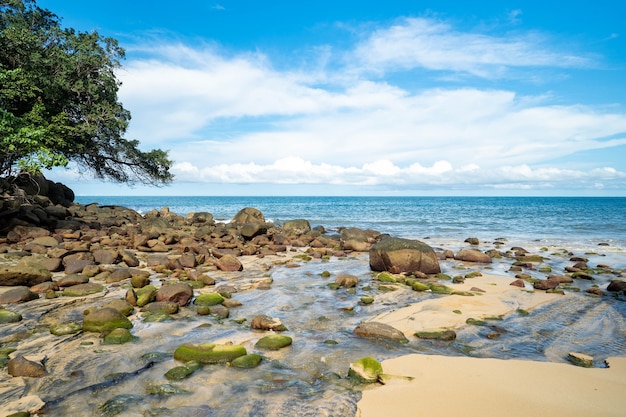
point(58, 101)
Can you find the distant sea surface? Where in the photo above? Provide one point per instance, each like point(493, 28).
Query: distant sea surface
point(579, 221)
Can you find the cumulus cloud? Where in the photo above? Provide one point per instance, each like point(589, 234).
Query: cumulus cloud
point(235, 118)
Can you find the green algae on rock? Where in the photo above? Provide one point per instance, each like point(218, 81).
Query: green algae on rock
point(7, 316)
point(105, 320)
point(209, 353)
point(250, 360)
point(81, 290)
point(274, 342)
point(440, 334)
point(183, 371)
point(118, 336)
point(208, 299)
point(365, 370)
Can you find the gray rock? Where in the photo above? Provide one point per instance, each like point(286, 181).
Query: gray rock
point(380, 331)
point(398, 255)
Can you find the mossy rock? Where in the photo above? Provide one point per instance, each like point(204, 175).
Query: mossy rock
point(122, 306)
point(139, 281)
point(7, 316)
point(419, 286)
point(156, 317)
point(82, 290)
point(251, 360)
point(118, 336)
point(325, 274)
point(440, 289)
point(184, 371)
point(365, 370)
point(580, 359)
point(168, 307)
point(274, 342)
point(63, 329)
point(208, 299)
point(473, 274)
point(386, 277)
point(442, 334)
point(105, 320)
point(209, 353)
point(475, 322)
point(522, 312)
point(443, 277)
point(366, 300)
point(146, 295)
point(19, 414)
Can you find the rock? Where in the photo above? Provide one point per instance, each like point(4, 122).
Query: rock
point(357, 240)
point(7, 316)
point(139, 281)
point(366, 370)
point(21, 366)
point(167, 307)
point(118, 336)
point(18, 295)
point(179, 293)
point(472, 241)
point(250, 360)
point(229, 263)
point(122, 306)
point(82, 290)
point(580, 359)
point(518, 283)
point(118, 275)
point(398, 255)
point(297, 227)
point(145, 295)
point(72, 279)
point(105, 320)
point(616, 285)
point(179, 373)
point(25, 273)
point(105, 256)
point(248, 215)
point(251, 230)
point(380, 331)
point(546, 284)
point(346, 280)
point(208, 299)
point(209, 353)
point(263, 322)
point(75, 266)
point(473, 255)
point(441, 334)
point(273, 342)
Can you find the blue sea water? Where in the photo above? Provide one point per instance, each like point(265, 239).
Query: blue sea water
point(582, 221)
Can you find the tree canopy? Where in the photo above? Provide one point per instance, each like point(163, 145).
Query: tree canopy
point(58, 101)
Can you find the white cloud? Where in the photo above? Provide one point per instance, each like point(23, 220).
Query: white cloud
point(234, 118)
point(436, 45)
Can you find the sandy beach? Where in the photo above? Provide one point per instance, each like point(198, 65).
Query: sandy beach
point(460, 386)
point(463, 386)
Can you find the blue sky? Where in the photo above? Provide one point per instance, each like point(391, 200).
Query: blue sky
point(370, 98)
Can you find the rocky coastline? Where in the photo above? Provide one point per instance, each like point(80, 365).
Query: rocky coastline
point(74, 275)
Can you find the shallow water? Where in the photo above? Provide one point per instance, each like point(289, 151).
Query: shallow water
point(308, 378)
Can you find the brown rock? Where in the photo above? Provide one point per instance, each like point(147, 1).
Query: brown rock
point(380, 331)
point(18, 295)
point(179, 293)
point(546, 284)
point(472, 255)
point(518, 283)
point(346, 280)
point(105, 256)
point(25, 273)
point(398, 255)
point(263, 322)
point(229, 263)
point(21, 366)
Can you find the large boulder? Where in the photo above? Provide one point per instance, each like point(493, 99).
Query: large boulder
point(248, 215)
point(297, 227)
point(356, 239)
point(398, 255)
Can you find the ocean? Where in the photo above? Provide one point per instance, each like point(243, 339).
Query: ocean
point(583, 222)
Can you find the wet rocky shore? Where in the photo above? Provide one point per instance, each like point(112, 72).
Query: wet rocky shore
point(128, 314)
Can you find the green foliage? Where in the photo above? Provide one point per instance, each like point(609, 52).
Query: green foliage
point(58, 101)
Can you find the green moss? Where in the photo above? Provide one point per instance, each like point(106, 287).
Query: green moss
point(7, 316)
point(366, 370)
point(443, 334)
point(457, 311)
point(443, 277)
point(184, 371)
point(386, 277)
point(367, 300)
point(440, 289)
point(473, 274)
point(146, 295)
point(475, 322)
point(418, 286)
point(208, 299)
point(118, 337)
point(209, 353)
point(251, 360)
point(274, 342)
point(522, 312)
point(325, 274)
